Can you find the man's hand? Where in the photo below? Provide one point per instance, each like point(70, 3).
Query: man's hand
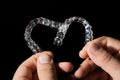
point(103, 58)
point(41, 67)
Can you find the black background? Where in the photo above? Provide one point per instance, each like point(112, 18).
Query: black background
point(104, 18)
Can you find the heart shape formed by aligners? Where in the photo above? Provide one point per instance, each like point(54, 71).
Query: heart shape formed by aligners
point(61, 27)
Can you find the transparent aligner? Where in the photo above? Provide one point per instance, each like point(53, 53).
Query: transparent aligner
point(31, 43)
point(61, 34)
point(61, 27)
point(62, 30)
point(88, 30)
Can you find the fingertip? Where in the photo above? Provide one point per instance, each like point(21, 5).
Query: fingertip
point(79, 73)
point(83, 54)
point(43, 58)
point(46, 67)
point(85, 67)
point(49, 53)
point(65, 66)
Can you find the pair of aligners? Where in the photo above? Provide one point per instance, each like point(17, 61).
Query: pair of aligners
point(61, 27)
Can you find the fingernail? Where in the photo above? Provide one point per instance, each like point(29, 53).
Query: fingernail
point(80, 52)
point(44, 58)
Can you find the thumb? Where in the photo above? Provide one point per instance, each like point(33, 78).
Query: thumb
point(102, 58)
point(45, 67)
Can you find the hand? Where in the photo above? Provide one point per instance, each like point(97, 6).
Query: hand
point(102, 60)
point(41, 67)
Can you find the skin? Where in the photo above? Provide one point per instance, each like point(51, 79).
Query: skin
point(43, 70)
point(103, 53)
point(102, 62)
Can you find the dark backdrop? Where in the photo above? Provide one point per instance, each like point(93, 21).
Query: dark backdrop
point(14, 18)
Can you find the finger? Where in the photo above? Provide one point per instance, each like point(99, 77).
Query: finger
point(111, 45)
point(85, 67)
point(103, 59)
point(45, 67)
point(64, 67)
point(63, 71)
point(83, 54)
point(97, 75)
point(26, 68)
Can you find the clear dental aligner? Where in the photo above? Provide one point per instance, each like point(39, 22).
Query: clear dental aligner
point(61, 27)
